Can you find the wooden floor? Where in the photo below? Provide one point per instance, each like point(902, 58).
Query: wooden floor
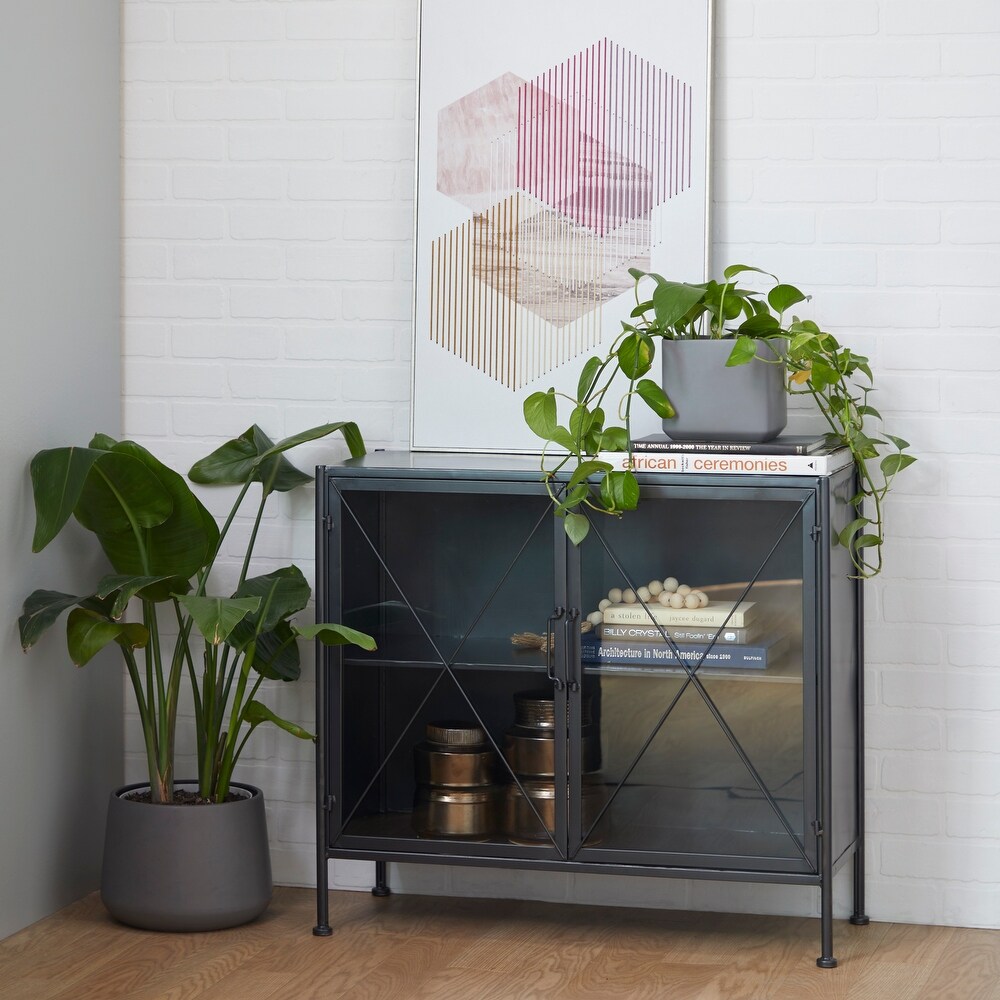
point(462, 949)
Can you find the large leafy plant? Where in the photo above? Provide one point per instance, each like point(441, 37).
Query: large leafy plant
point(162, 544)
point(817, 365)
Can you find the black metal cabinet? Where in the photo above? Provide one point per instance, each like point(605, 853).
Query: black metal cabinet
point(684, 765)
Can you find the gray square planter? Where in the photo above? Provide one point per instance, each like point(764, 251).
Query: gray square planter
point(715, 403)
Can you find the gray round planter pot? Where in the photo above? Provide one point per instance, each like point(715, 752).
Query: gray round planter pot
point(715, 403)
point(186, 867)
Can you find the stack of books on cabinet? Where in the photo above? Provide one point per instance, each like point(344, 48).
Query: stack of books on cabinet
point(785, 455)
point(723, 635)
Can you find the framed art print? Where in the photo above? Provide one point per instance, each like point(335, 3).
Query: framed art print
point(559, 143)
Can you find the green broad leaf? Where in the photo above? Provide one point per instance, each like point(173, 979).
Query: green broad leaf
point(57, 480)
point(641, 309)
point(639, 274)
point(576, 526)
point(254, 457)
point(614, 439)
point(800, 342)
point(587, 376)
point(655, 398)
point(635, 355)
point(732, 305)
point(121, 494)
point(180, 545)
point(735, 269)
point(864, 446)
point(744, 350)
point(866, 541)
point(870, 411)
point(760, 325)
point(281, 593)
point(562, 437)
point(845, 535)
point(241, 461)
point(150, 588)
point(821, 375)
point(348, 428)
point(892, 464)
point(584, 471)
point(898, 441)
point(336, 635)
point(275, 473)
point(592, 443)
point(575, 496)
point(673, 300)
point(102, 442)
point(255, 713)
point(87, 633)
point(783, 297)
point(620, 491)
point(216, 617)
point(41, 610)
point(580, 422)
point(276, 653)
point(231, 464)
point(540, 413)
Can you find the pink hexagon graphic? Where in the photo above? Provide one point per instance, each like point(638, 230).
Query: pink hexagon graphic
point(562, 175)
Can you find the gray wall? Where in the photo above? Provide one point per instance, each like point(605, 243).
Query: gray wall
point(60, 728)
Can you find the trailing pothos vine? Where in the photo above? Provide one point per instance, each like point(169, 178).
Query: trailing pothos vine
point(817, 365)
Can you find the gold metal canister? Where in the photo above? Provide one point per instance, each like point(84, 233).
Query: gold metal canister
point(455, 755)
point(456, 771)
point(456, 812)
point(521, 821)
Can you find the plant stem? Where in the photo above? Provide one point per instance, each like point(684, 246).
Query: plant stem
point(156, 787)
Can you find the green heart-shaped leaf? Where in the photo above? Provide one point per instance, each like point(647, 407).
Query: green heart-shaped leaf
point(540, 413)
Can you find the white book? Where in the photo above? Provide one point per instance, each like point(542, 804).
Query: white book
point(718, 613)
point(729, 464)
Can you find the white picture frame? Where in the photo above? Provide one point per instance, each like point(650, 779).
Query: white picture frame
point(559, 142)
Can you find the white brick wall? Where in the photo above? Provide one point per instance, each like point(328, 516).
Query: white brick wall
point(268, 180)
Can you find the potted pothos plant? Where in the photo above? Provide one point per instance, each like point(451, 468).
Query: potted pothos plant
point(762, 330)
point(169, 866)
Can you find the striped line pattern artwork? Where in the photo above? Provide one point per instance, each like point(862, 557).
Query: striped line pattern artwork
point(498, 291)
point(600, 141)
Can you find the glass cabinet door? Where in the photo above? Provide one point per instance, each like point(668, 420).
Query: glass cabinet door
point(448, 733)
point(689, 744)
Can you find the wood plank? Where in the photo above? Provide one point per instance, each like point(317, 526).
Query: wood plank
point(968, 970)
point(441, 948)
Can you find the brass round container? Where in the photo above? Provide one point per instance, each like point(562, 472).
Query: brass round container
point(531, 752)
point(537, 710)
point(454, 755)
point(460, 813)
point(521, 823)
point(456, 734)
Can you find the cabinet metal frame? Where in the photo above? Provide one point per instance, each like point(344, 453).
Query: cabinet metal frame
point(490, 475)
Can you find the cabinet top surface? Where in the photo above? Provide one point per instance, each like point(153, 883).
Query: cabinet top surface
point(523, 468)
point(440, 465)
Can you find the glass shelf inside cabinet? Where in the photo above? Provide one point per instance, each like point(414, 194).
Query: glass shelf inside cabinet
point(701, 674)
point(442, 580)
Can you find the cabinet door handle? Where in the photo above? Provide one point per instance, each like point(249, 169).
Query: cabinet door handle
point(550, 635)
point(572, 653)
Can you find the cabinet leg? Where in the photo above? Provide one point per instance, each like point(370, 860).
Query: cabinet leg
point(381, 887)
point(859, 918)
point(826, 959)
point(322, 928)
